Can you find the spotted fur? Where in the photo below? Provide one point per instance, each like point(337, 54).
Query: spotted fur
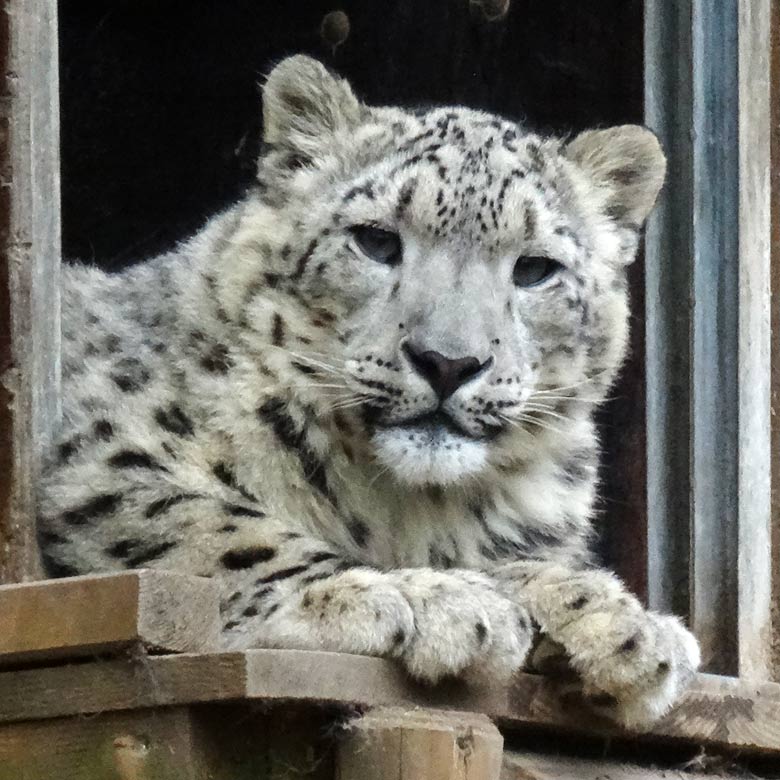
point(245, 407)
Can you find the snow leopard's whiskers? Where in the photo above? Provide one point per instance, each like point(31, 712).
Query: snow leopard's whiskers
point(547, 412)
point(520, 419)
point(588, 380)
point(535, 397)
point(355, 400)
point(319, 364)
point(322, 385)
point(379, 474)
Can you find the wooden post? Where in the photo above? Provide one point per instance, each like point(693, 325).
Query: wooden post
point(775, 407)
point(669, 112)
point(29, 268)
point(754, 505)
point(708, 271)
point(397, 744)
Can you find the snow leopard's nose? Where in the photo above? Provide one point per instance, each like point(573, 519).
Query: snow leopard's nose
point(445, 375)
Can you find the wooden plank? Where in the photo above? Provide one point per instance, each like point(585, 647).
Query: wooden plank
point(400, 744)
point(173, 743)
point(145, 745)
point(717, 712)
point(117, 685)
point(755, 452)
point(82, 616)
point(537, 766)
point(775, 272)
point(29, 269)
point(714, 377)
point(709, 453)
point(668, 273)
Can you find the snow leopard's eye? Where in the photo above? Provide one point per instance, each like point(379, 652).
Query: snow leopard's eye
point(530, 271)
point(380, 245)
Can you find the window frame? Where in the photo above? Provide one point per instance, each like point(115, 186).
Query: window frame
point(29, 270)
point(708, 327)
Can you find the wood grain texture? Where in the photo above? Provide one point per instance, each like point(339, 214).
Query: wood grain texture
point(775, 405)
point(401, 744)
point(219, 742)
point(534, 766)
point(119, 685)
point(83, 616)
point(708, 289)
point(717, 712)
point(754, 342)
point(669, 112)
point(715, 334)
point(144, 745)
point(29, 269)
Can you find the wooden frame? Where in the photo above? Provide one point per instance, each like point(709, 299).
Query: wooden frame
point(709, 455)
point(716, 713)
point(60, 713)
point(708, 367)
point(775, 358)
point(29, 269)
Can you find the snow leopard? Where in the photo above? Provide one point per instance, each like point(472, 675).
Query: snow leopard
point(361, 399)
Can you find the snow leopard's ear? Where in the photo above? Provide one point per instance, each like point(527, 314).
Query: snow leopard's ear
point(628, 167)
point(304, 105)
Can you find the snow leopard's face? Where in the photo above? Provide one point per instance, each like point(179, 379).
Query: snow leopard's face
point(476, 270)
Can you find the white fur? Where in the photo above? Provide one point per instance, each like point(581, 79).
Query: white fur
point(244, 408)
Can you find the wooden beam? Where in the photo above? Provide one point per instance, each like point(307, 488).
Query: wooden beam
point(172, 743)
point(29, 269)
point(146, 745)
point(707, 95)
point(668, 274)
point(754, 507)
point(715, 333)
point(118, 685)
point(229, 742)
point(536, 766)
point(775, 271)
point(84, 616)
point(400, 744)
point(717, 712)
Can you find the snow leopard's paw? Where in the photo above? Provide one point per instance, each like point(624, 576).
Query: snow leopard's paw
point(632, 664)
point(462, 627)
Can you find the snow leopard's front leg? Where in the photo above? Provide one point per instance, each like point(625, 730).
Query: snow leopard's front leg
point(283, 587)
point(633, 663)
point(436, 624)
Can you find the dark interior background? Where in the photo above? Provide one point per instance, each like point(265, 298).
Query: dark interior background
point(161, 124)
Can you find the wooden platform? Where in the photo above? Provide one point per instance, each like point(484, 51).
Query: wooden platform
point(717, 712)
point(90, 676)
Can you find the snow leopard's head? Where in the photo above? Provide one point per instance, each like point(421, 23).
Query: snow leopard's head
point(452, 279)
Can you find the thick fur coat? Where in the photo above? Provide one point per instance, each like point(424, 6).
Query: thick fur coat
point(362, 398)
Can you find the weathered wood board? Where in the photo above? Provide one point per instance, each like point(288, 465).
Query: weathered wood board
point(534, 766)
point(403, 744)
point(235, 742)
point(716, 712)
point(29, 269)
point(83, 616)
point(175, 743)
point(708, 327)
